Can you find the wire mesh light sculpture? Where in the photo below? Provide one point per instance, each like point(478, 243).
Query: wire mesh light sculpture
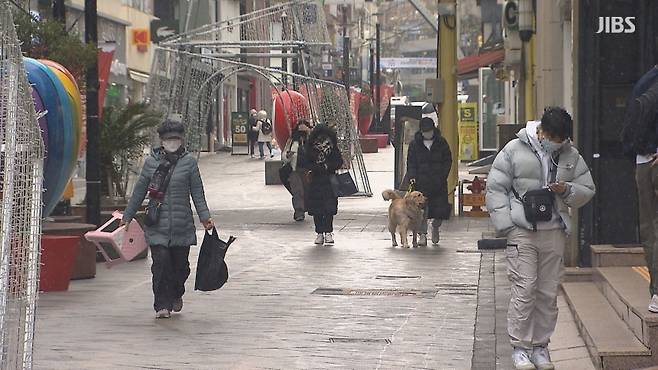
point(189, 68)
point(21, 174)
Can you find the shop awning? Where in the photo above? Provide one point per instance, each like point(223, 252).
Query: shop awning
point(138, 76)
point(474, 62)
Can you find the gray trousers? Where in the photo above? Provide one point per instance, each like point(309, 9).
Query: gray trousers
point(297, 190)
point(646, 178)
point(534, 267)
point(436, 223)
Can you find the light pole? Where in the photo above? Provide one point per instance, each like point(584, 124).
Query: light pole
point(93, 174)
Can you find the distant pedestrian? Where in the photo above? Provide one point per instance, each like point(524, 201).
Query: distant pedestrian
point(295, 167)
point(252, 135)
point(428, 164)
point(324, 159)
point(170, 176)
point(543, 168)
point(265, 128)
point(640, 139)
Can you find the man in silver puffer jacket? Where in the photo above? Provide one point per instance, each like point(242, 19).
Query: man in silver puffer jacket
point(534, 258)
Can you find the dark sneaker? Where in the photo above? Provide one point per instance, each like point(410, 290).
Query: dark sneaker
point(178, 305)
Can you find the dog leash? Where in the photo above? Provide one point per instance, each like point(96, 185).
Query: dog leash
point(412, 182)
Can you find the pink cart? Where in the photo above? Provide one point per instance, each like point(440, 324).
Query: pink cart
point(118, 246)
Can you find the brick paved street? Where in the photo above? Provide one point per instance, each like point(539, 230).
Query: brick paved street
point(268, 316)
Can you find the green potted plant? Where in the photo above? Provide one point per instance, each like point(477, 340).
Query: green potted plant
point(124, 134)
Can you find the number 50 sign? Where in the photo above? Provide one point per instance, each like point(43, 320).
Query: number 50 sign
point(239, 129)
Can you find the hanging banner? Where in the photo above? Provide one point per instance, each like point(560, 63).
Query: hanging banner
point(468, 132)
point(105, 55)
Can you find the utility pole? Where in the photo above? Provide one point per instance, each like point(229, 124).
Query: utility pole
point(448, 110)
point(378, 75)
point(284, 50)
point(59, 10)
point(93, 129)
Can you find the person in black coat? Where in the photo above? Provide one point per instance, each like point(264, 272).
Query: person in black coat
point(428, 164)
point(252, 134)
point(323, 160)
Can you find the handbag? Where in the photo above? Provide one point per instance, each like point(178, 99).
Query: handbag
point(342, 184)
point(152, 215)
point(538, 204)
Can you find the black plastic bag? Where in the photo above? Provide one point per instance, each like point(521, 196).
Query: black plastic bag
point(211, 270)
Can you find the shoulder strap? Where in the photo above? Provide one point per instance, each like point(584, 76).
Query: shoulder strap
point(165, 184)
point(516, 194)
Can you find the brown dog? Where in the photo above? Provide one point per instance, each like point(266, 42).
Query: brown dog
point(404, 214)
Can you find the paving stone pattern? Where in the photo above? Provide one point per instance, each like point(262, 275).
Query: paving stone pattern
point(267, 317)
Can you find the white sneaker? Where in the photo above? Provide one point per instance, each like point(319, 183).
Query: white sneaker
point(329, 238)
point(521, 360)
point(653, 306)
point(162, 314)
point(422, 240)
point(542, 359)
point(319, 240)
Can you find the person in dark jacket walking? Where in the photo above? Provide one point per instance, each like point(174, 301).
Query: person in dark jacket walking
point(324, 159)
point(640, 139)
point(428, 164)
point(252, 135)
point(295, 167)
point(170, 238)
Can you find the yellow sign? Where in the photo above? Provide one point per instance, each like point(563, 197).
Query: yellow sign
point(468, 132)
point(468, 113)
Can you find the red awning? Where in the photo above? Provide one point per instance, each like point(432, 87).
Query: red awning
point(473, 62)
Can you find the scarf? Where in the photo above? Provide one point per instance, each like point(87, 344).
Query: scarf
point(158, 185)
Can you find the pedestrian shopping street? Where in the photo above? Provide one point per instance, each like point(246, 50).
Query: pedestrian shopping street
point(289, 304)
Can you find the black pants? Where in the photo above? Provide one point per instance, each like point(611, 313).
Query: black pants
point(170, 269)
point(252, 145)
point(323, 223)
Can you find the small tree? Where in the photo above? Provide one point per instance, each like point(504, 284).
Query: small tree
point(49, 39)
point(124, 133)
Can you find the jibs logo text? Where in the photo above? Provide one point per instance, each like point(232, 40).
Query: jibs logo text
point(616, 25)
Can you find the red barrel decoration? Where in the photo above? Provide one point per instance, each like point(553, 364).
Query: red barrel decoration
point(289, 107)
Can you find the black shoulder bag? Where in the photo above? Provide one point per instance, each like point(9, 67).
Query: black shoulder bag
point(538, 204)
point(153, 208)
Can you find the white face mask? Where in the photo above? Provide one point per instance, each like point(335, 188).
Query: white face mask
point(171, 145)
point(428, 135)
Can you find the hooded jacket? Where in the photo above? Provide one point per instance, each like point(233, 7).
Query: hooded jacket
point(517, 165)
point(176, 224)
